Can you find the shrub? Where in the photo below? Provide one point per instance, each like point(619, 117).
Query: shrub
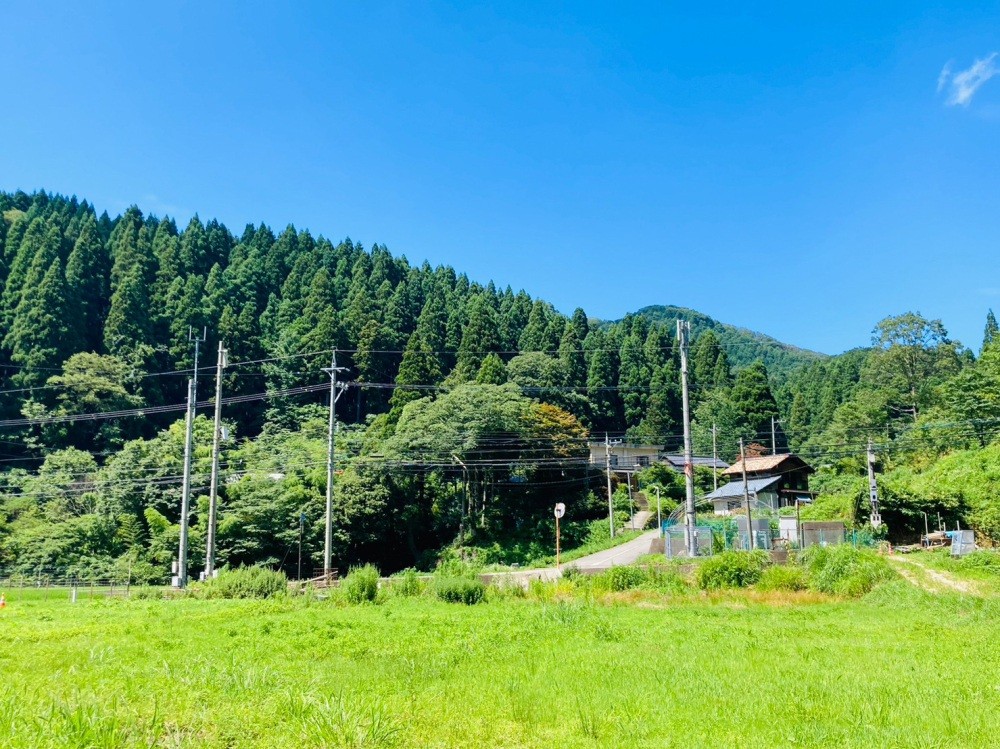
point(505, 589)
point(983, 561)
point(146, 593)
point(665, 580)
point(460, 590)
point(625, 578)
point(408, 584)
point(361, 584)
point(245, 582)
point(844, 570)
point(731, 569)
point(783, 577)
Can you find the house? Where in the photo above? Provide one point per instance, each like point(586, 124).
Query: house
point(677, 462)
point(630, 457)
point(774, 480)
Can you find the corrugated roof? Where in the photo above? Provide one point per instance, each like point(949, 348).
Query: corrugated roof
point(762, 464)
point(697, 460)
point(735, 488)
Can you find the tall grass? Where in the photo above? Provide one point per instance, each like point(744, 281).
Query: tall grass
point(243, 582)
point(844, 570)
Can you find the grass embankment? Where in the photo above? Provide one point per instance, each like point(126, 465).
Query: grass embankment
point(978, 572)
point(727, 668)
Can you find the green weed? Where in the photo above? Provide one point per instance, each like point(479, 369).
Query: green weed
point(361, 585)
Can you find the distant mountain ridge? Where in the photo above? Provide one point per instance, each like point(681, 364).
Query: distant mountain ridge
point(742, 345)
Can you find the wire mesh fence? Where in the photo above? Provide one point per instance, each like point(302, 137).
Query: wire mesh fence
point(55, 582)
point(729, 533)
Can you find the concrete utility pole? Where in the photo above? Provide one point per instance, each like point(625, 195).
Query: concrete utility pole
point(611, 503)
point(683, 331)
point(188, 450)
point(631, 504)
point(213, 492)
point(774, 439)
point(659, 520)
point(746, 498)
point(715, 461)
point(331, 435)
point(876, 517)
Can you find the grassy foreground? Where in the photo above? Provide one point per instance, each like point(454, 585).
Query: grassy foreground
point(735, 669)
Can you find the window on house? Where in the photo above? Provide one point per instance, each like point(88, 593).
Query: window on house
point(644, 461)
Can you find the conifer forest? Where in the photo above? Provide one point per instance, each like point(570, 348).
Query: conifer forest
point(465, 410)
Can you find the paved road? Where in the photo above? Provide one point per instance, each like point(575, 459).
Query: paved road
point(616, 556)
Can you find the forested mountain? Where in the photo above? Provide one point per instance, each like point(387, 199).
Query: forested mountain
point(99, 313)
point(466, 413)
point(743, 346)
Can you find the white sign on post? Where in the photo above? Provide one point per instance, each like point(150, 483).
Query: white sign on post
point(560, 510)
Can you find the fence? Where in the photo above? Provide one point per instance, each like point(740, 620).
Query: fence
point(74, 583)
point(729, 533)
point(676, 541)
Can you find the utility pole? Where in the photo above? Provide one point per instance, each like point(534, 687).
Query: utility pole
point(683, 331)
point(631, 504)
point(332, 370)
point(659, 520)
point(715, 461)
point(774, 439)
point(188, 450)
point(876, 517)
point(213, 492)
point(746, 498)
point(611, 504)
point(302, 529)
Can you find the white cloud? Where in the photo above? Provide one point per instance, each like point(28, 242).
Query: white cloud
point(962, 86)
point(943, 76)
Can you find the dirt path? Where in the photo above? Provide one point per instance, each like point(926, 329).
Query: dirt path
point(929, 579)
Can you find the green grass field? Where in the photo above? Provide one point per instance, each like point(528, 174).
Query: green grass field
point(902, 668)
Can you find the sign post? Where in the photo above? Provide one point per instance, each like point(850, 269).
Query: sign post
point(560, 510)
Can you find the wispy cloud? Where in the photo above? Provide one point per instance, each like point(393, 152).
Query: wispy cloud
point(962, 86)
point(943, 76)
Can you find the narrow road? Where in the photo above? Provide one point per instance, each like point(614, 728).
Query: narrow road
point(626, 553)
point(616, 556)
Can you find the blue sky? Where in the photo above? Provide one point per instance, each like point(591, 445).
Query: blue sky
point(796, 171)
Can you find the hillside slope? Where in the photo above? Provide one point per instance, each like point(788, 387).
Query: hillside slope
point(743, 346)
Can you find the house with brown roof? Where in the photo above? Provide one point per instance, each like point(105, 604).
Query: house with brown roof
point(774, 480)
